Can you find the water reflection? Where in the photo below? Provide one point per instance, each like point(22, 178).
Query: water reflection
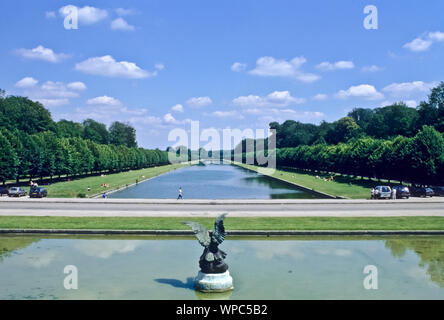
point(262, 268)
point(429, 250)
point(214, 181)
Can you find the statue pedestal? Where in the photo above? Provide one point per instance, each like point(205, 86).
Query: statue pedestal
point(213, 282)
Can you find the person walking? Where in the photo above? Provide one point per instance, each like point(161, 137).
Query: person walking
point(393, 194)
point(180, 194)
point(372, 193)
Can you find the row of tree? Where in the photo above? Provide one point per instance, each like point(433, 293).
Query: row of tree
point(45, 155)
point(20, 113)
point(381, 123)
point(32, 145)
point(419, 159)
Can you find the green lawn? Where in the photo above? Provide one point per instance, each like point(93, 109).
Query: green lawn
point(342, 186)
point(303, 223)
point(73, 188)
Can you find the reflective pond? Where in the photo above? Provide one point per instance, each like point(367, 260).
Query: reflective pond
point(262, 268)
point(213, 181)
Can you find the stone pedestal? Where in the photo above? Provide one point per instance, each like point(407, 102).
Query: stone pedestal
point(213, 282)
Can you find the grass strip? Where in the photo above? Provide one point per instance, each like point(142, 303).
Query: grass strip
point(232, 223)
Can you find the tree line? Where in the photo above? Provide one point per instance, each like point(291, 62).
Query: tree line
point(381, 123)
point(394, 142)
point(32, 145)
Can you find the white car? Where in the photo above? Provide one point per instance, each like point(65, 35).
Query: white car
point(382, 192)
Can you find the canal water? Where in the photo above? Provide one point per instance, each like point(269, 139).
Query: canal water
point(410, 267)
point(213, 181)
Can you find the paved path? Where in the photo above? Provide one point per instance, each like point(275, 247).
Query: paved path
point(211, 208)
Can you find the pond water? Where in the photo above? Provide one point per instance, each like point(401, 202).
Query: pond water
point(213, 181)
point(262, 268)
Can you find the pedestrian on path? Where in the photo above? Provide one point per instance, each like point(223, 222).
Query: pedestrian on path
point(180, 194)
point(393, 194)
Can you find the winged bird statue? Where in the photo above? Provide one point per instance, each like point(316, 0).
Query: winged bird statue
point(212, 259)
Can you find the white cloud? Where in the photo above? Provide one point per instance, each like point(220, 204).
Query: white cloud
point(106, 249)
point(159, 66)
point(177, 108)
point(411, 103)
point(407, 89)
point(121, 24)
point(271, 67)
point(281, 115)
point(124, 12)
point(436, 36)
point(339, 65)
point(372, 68)
point(52, 102)
point(227, 114)
point(418, 45)
point(57, 89)
point(50, 93)
point(365, 91)
point(424, 42)
point(42, 53)
point(238, 67)
point(50, 14)
point(108, 67)
point(78, 86)
point(148, 120)
point(104, 101)
point(27, 82)
point(169, 119)
point(320, 97)
point(87, 15)
point(199, 102)
point(274, 99)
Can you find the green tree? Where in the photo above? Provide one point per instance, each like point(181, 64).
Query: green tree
point(25, 115)
point(122, 134)
point(427, 151)
point(69, 129)
point(343, 130)
point(8, 160)
point(95, 131)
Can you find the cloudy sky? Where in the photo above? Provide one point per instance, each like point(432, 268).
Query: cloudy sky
point(228, 64)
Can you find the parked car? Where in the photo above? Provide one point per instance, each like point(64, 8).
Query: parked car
point(3, 191)
point(402, 192)
point(422, 192)
point(439, 191)
point(382, 192)
point(17, 192)
point(38, 192)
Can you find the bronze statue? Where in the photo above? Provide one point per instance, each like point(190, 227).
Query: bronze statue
point(212, 259)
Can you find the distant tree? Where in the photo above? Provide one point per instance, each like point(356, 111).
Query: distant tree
point(8, 160)
point(393, 120)
point(122, 134)
point(427, 152)
point(95, 131)
point(25, 115)
point(69, 129)
point(362, 117)
point(436, 101)
point(343, 130)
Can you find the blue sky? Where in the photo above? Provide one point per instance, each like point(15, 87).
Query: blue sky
point(239, 64)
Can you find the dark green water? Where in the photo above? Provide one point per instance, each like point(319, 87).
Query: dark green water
point(213, 182)
point(262, 268)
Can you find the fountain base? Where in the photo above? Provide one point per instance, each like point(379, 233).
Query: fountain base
point(213, 282)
